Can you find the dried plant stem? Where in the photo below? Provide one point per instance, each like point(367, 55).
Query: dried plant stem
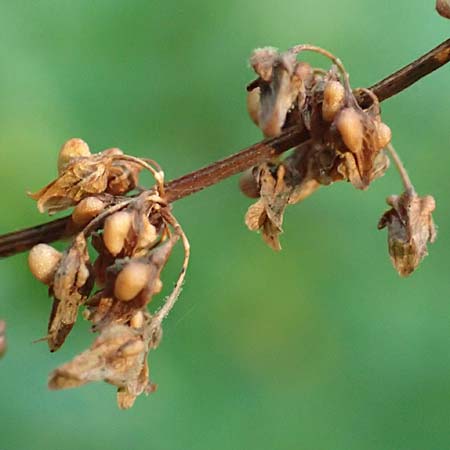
point(313, 48)
point(22, 240)
point(413, 72)
point(409, 188)
point(164, 311)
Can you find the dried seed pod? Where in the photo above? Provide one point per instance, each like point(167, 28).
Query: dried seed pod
point(384, 134)
point(248, 184)
point(350, 127)
point(43, 261)
point(253, 105)
point(131, 280)
point(86, 210)
point(410, 228)
point(115, 231)
point(71, 287)
point(333, 100)
point(73, 148)
point(443, 8)
point(278, 97)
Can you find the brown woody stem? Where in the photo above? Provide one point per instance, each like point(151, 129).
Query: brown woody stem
point(22, 240)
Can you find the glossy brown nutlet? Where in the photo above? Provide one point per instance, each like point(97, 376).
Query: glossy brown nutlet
point(115, 231)
point(73, 148)
point(131, 280)
point(333, 100)
point(43, 261)
point(384, 134)
point(86, 210)
point(350, 127)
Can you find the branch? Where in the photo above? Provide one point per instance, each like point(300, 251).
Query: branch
point(200, 179)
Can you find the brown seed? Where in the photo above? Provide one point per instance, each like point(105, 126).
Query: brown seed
point(384, 134)
point(333, 100)
point(43, 261)
point(73, 148)
point(443, 8)
point(248, 184)
point(157, 286)
point(131, 280)
point(349, 125)
point(137, 321)
point(253, 105)
point(115, 231)
point(86, 210)
point(147, 233)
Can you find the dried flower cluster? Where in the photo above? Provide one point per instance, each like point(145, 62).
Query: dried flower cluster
point(346, 143)
point(133, 231)
point(133, 238)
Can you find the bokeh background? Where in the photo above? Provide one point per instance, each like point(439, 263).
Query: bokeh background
point(322, 346)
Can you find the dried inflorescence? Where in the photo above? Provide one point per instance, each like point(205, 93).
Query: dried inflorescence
point(133, 238)
point(134, 235)
point(347, 143)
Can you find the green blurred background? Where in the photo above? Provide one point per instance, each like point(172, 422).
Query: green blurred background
point(322, 346)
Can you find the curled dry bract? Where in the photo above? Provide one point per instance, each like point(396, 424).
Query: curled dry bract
point(410, 228)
